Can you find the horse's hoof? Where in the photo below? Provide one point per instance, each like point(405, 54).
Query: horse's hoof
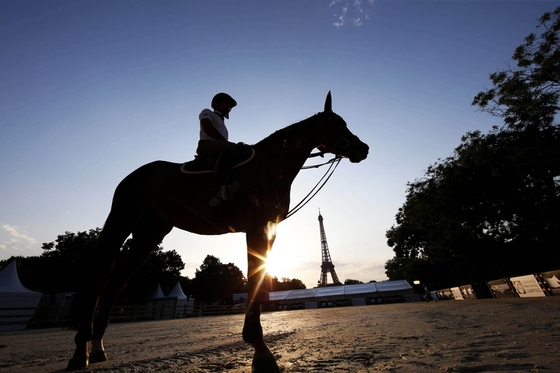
point(77, 363)
point(265, 364)
point(98, 357)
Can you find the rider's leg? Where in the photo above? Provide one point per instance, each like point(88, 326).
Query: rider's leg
point(226, 154)
point(226, 160)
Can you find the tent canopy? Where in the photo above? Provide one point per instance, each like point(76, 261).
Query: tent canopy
point(10, 283)
point(342, 290)
point(177, 292)
point(157, 293)
point(19, 303)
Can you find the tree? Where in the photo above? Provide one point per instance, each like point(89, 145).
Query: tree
point(496, 196)
point(285, 283)
point(527, 95)
point(214, 280)
point(61, 266)
point(350, 281)
point(162, 267)
point(475, 214)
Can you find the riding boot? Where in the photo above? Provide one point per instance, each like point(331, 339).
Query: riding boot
point(220, 186)
point(221, 171)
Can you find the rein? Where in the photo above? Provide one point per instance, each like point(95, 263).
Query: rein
point(320, 184)
point(320, 164)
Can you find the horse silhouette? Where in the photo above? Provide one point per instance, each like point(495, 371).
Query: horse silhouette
point(156, 197)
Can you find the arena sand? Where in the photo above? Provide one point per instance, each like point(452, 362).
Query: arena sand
point(491, 335)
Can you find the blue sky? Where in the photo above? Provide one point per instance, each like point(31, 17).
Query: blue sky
point(91, 90)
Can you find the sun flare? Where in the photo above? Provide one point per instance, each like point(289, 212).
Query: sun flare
point(278, 265)
point(286, 255)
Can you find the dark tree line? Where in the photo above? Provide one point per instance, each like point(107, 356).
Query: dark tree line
point(284, 283)
point(215, 281)
point(63, 263)
point(491, 209)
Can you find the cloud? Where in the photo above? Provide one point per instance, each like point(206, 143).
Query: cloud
point(14, 242)
point(16, 235)
point(351, 12)
point(363, 270)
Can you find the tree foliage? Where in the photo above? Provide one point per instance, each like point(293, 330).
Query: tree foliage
point(490, 210)
point(285, 283)
point(162, 267)
point(63, 263)
point(350, 281)
point(214, 280)
point(527, 94)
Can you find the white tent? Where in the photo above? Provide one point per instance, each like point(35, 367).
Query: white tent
point(17, 303)
point(159, 306)
point(177, 292)
point(183, 304)
point(155, 305)
point(157, 293)
point(367, 294)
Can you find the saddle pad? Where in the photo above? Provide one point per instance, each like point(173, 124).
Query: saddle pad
point(200, 166)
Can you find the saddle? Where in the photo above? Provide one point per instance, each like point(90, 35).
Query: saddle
point(201, 165)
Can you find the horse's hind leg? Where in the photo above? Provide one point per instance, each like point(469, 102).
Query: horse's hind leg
point(148, 234)
point(96, 277)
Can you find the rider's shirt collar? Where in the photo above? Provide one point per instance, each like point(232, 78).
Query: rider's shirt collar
point(222, 115)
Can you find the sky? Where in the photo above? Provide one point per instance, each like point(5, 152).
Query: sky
point(91, 90)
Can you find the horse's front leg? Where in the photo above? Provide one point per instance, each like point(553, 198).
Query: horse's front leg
point(259, 242)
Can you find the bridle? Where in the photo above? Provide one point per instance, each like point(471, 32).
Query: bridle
point(343, 143)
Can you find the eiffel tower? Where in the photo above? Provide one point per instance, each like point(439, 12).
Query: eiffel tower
point(327, 265)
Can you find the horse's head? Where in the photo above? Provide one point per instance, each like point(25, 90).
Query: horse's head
point(337, 139)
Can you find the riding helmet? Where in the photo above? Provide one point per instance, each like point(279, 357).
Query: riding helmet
point(222, 96)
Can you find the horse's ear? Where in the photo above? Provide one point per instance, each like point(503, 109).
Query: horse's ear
point(328, 103)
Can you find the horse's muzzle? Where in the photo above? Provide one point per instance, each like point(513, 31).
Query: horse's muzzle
point(358, 151)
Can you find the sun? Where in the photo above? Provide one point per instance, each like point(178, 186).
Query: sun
point(282, 260)
point(278, 265)
point(286, 254)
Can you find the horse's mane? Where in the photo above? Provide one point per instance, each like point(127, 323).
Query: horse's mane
point(286, 132)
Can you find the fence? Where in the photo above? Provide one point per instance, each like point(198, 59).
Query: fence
point(52, 317)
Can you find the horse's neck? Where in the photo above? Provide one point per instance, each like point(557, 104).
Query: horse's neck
point(298, 139)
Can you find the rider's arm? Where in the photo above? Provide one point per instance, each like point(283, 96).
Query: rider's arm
point(210, 130)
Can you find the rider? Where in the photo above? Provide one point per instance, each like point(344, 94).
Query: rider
point(214, 143)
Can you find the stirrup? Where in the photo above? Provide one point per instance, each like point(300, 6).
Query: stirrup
point(224, 194)
point(227, 193)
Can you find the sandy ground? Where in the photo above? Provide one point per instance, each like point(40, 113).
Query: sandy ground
point(493, 335)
